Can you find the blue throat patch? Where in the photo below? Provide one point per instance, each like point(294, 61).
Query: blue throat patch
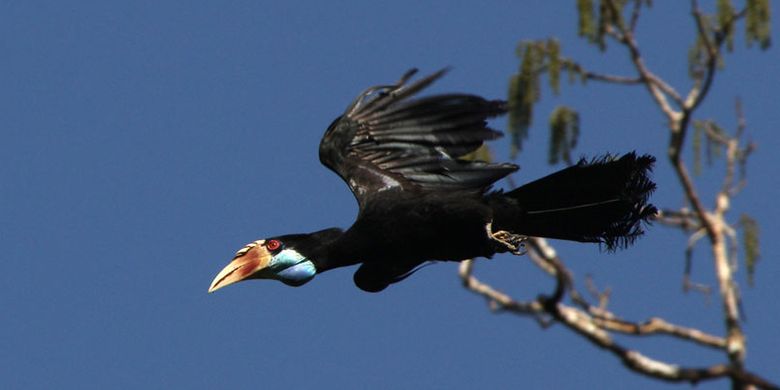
point(293, 268)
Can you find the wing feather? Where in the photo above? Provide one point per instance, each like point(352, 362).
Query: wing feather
point(387, 139)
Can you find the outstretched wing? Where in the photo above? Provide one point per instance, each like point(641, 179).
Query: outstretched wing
point(388, 140)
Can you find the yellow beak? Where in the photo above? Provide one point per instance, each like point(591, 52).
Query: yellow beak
point(248, 261)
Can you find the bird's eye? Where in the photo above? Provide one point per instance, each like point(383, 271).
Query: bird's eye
point(273, 245)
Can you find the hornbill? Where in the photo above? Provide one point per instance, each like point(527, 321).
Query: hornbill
point(420, 200)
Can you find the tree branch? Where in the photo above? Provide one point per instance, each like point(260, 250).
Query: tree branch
point(659, 90)
point(678, 125)
point(594, 322)
point(548, 310)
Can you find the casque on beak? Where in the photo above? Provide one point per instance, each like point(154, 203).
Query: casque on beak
point(248, 261)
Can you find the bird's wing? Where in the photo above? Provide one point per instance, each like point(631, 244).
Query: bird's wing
point(388, 140)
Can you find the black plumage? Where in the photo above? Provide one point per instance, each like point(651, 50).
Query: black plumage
point(420, 201)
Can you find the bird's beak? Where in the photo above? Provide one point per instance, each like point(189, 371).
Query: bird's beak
point(249, 261)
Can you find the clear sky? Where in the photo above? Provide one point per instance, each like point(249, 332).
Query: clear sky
point(142, 143)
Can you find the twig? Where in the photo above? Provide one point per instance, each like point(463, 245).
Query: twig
point(635, 15)
point(683, 219)
point(659, 90)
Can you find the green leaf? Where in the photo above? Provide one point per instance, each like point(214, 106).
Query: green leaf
point(564, 132)
point(604, 19)
point(524, 92)
point(758, 25)
point(554, 64)
point(587, 23)
point(717, 130)
point(750, 241)
point(726, 22)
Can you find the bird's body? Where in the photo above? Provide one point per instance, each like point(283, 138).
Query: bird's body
point(396, 232)
point(424, 226)
point(420, 201)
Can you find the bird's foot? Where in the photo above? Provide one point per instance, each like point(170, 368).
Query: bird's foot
point(514, 243)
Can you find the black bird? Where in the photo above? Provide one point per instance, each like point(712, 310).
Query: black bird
point(419, 201)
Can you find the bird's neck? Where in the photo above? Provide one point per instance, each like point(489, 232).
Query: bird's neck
point(328, 249)
point(334, 254)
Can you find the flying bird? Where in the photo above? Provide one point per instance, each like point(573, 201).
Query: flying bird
point(421, 201)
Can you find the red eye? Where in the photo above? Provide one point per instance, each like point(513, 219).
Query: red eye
point(273, 245)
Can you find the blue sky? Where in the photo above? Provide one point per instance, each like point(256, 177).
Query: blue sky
point(143, 142)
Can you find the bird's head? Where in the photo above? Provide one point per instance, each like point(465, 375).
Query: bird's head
point(273, 258)
point(293, 259)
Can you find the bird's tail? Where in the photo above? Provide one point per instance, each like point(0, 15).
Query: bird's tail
point(603, 200)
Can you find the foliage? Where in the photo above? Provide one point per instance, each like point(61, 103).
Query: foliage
point(564, 130)
point(758, 23)
point(615, 21)
point(750, 235)
point(538, 58)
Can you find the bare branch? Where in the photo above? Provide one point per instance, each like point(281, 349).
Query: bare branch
point(715, 226)
point(601, 296)
point(688, 284)
point(499, 300)
point(657, 325)
point(547, 310)
point(683, 219)
point(688, 187)
point(568, 64)
point(615, 79)
point(697, 93)
point(635, 11)
point(659, 90)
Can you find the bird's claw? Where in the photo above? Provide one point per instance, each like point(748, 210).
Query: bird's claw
point(514, 243)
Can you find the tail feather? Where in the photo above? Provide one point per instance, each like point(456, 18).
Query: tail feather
point(603, 200)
